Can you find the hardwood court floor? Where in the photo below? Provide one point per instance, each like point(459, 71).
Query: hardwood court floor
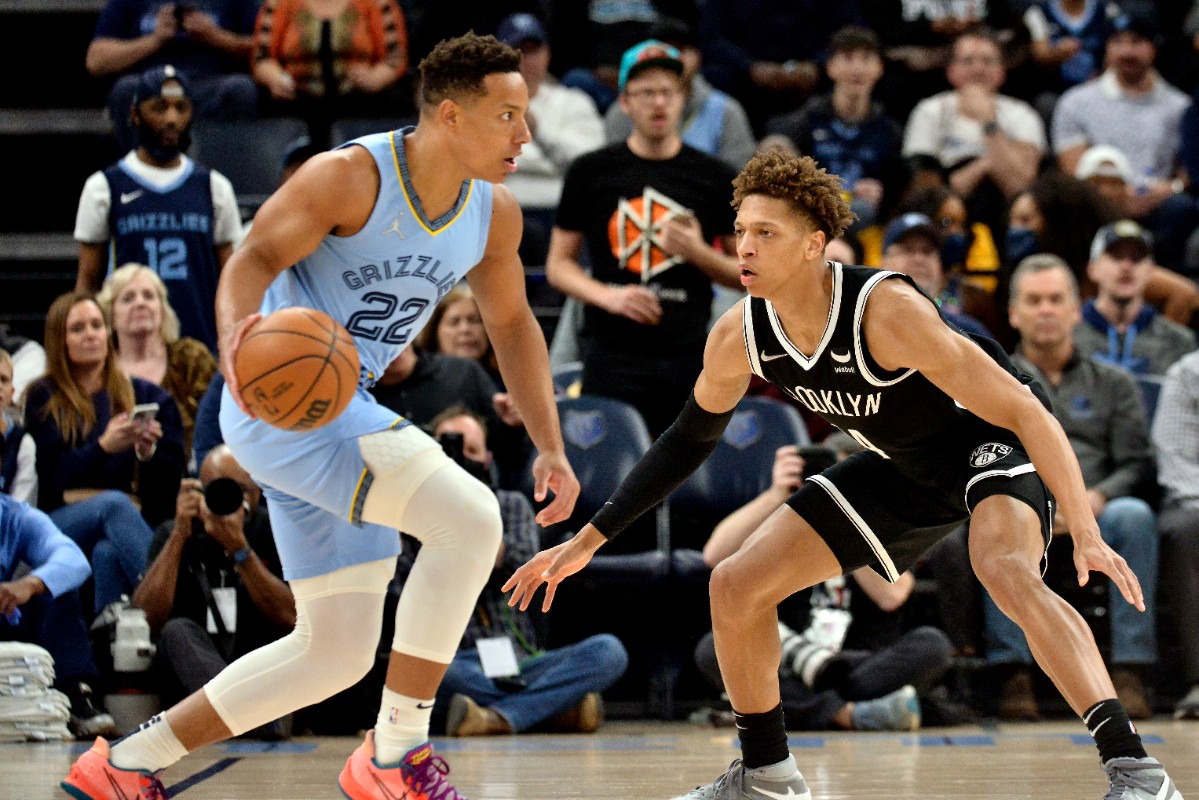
point(654, 761)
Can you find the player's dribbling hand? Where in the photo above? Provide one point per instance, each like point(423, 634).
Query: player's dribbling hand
point(551, 567)
point(229, 357)
point(552, 472)
point(1092, 554)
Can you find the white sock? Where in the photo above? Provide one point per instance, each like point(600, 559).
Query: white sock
point(153, 746)
point(403, 724)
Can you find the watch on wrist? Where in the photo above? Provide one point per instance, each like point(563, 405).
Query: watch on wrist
point(241, 556)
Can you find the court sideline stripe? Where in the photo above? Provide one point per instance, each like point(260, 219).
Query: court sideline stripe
point(202, 775)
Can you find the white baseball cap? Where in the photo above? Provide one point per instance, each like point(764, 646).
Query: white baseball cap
point(1104, 160)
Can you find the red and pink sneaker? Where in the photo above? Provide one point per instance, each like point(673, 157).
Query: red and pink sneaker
point(419, 775)
point(93, 777)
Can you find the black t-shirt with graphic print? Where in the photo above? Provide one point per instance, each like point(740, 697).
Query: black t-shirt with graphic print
point(613, 197)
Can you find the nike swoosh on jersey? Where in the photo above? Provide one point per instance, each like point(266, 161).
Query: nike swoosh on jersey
point(773, 357)
point(790, 795)
point(840, 358)
point(129, 197)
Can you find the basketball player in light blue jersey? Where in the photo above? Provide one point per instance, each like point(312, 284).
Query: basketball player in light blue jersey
point(373, 233)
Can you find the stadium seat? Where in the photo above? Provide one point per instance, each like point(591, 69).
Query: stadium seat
point(737, 471)
point(624, 589)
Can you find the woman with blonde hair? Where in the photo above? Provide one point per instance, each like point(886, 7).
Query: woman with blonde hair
point(97, 461)
point(456, 329)
point(145, 332)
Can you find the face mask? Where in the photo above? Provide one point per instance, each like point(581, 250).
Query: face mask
point(953, 250)
point(478, 469)
point(1018, 244)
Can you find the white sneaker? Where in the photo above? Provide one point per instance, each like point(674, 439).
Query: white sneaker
point(1139, 779)
point(738, 783)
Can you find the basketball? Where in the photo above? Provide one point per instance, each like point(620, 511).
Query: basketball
point(297, 368)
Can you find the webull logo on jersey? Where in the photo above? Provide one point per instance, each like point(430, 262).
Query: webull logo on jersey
point(842, 358)
point(988, 453)
point(837, 402)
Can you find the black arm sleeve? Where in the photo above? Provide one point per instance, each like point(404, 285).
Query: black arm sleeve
point(669, 461)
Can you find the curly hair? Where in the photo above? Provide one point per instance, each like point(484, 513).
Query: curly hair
point(810, 189)
point(456, 67)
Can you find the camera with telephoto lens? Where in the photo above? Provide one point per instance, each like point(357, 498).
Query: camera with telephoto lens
point(223, 496)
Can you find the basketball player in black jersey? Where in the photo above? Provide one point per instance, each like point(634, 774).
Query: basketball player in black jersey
point(951, 431)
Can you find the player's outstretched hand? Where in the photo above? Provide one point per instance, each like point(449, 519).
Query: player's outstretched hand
point(552, 472)
point(229, 350)
point(551, 567)
point(1091, 553)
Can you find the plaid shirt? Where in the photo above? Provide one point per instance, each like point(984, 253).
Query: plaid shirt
point(1176, 433)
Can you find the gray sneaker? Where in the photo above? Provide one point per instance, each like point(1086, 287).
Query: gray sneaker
point(898, 711)
point(1188, 706)
point(741, 784)
point(1139, 779)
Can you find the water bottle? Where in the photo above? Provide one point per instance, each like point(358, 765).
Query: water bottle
point(131, 648)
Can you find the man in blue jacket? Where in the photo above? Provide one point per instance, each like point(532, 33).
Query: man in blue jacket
point(42, 607)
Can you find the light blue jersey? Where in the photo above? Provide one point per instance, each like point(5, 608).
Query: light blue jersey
point(382, 284)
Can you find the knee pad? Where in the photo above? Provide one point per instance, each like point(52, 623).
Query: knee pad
point(322, 656)
point(398, 461)
point(457, 520)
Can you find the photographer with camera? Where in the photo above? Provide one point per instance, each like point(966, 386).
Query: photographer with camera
point(502, 680)
point(214, 588)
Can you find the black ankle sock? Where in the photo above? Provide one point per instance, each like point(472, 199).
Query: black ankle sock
point(1113, 732)
point(763, 738)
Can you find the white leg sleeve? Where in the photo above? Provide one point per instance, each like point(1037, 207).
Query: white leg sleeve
point(338, 618)
point(421, 492)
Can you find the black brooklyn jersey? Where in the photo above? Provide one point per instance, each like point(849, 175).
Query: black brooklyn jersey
point(898, 414)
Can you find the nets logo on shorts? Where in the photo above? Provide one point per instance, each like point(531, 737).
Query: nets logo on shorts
point(988, 453)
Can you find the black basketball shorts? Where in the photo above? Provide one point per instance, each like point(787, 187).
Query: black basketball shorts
point(871, 514)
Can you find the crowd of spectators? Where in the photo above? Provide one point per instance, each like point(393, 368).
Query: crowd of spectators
point(1030, 164)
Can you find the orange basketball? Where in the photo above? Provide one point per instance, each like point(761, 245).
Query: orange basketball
point(298, 368)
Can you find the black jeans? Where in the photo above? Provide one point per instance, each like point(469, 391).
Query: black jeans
point(920, 657)
point(187, 657)
point(1179, 530)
